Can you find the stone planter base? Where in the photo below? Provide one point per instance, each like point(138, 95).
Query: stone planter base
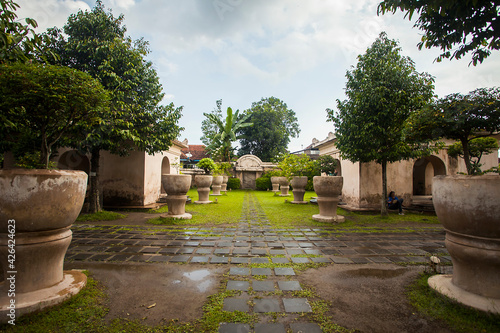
point(330, 219)
point(176, 207)
point(298, 197)
point(276, 187)
point(34, 301)
point(443, 284)
point(284, 191)
point(203, 202)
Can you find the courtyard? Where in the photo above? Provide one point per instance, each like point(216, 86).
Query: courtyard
point(252, 262)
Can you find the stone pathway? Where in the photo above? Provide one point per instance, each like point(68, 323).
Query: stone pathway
point(252, 240)
point(264, 291)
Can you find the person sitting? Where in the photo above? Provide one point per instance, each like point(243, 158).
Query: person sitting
point(394, 203)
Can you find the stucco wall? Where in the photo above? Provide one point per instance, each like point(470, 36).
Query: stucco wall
point(122, 179)
point(153, 172)
point(363, 181)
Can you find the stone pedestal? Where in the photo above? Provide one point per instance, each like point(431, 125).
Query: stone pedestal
point(176, 187)
point(203, 184)
point(216, 185)
point(223, 186)
point(284, 186)
point(299, 189)
point(37, 208)
point(276, 185)
point(469, 210)
point(328, 189)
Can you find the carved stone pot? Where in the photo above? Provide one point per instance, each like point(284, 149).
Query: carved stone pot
point(176, 187)
point(216, 185)
point(223, 186)
point(299, 189)
point(203, 184)
point(469, 209)
point(37, 209)
point(328, 189)
point(276, 185)
point(284, 186)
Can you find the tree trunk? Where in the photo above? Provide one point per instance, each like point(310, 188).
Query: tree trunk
point(465, 148)
point(94, 200)
point(383, 208)
point(44, 153)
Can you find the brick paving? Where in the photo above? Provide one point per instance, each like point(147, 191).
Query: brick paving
point(252, 240)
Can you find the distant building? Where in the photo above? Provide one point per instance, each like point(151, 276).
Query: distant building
point(191, 155)
point(311, 151)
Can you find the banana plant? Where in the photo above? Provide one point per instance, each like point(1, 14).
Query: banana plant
point(227, 131)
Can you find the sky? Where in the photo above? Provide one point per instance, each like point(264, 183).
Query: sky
point(243, 50)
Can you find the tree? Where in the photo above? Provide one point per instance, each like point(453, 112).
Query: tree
point(226, 132)
point(274, 124)
point(327, 164)
point(17, 40)
point(382, 91)
point(96, 43)
point(459, 117)
point(43, 102)
point(477, 147)
point(210, 129)
point(207, 164)
point(474, 25)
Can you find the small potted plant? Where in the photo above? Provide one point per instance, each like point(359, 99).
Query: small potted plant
point(40, 106)
point(467, 205)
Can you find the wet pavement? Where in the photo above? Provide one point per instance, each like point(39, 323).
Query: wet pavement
point(252, 240)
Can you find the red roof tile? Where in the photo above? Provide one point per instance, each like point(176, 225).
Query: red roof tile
point(198, 152)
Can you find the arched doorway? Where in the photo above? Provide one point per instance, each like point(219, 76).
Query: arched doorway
point(424, 170)
point(165, 170)
point(338, 168)
point(74, 160)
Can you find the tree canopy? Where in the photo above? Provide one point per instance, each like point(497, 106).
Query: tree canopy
point(472, 25)
point(382, 91)
point(273, 126)
point(42, 103)
point(96, 42)
point(459, 117)
point(17, 40)
point(219, 133)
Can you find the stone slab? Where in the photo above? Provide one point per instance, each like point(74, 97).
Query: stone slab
point(284, 271)
point(234, 328)
point(263, 305)
point(296, 305)
point(236, 304)
point(270, 328)
point(261, 271)
point(238, 285)
point(263, 285)
point(305, 328)
point(289, 285)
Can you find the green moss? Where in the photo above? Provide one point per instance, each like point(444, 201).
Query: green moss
point(458, 317)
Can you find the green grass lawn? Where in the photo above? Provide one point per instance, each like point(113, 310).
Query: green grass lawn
point(283, 214)
point(226, 210)
point(100, 216)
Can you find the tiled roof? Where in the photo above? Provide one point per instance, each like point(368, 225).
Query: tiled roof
point(198, 152)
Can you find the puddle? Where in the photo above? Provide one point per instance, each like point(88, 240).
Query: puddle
point(200, 275)
point(375, 272)
point(197, 275)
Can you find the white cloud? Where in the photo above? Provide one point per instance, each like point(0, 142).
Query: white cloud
point(126, 4)
point(243, 50)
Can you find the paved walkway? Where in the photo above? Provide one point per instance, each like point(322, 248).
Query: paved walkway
point(252, 240)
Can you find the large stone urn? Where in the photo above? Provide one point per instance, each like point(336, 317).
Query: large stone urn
point(223, 186)
point(328, 189)
point(469, 209)
point(176, 187)
point(37, 209)
point(275, 183)
point(203, 183)
point(299, 184)
point(216, 185)
point(284, 186)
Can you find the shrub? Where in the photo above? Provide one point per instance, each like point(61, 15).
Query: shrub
point(263, 183)
point(233, 183)
point(206, 164)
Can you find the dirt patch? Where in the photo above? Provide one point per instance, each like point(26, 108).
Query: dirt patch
point(370, 298)
point(178, 292)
